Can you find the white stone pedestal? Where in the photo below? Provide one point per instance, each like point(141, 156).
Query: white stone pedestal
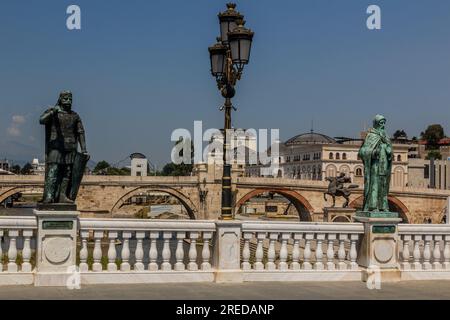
point(379, 247)
point(227, 256)
point(338, 214)
point(56, 247)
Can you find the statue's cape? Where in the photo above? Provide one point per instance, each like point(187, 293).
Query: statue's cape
point(370, 144)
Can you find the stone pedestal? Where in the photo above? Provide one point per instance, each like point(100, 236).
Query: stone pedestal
point(227, 252)
point(378, 251)
point(56, 247)
point(338, 214)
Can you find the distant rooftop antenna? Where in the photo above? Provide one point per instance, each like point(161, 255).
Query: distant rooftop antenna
point(312, 125)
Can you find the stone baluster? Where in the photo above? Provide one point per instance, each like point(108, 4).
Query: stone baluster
point(206, 252)
point(446, 264)
point(26, 251)
point(153, 252)
point(405, 265)
point(246, 251)
point(427, 252)
point(259, 254)
point(12, 252)
point(193, 266)
point(416, 253)
point(166, 254)
point(179, 253)
point(125, 254)
point(270, 265)
point(282, 265)
point(331, 237)
point(320, 237)
point(84, 251)
point(353, 255)
point(295, 265)
point(97, 254)
point(139, 253)
point(341, 252)
point(112, 253)
point(307, 252)
point(1, 251)
point(437, 265)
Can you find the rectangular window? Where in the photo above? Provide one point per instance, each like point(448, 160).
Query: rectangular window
point(138, 173)
point(426, 172)
point(271, 208)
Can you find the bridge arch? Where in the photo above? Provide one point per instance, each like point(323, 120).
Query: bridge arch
point(19, 189)
point(304, 208)
point(394, 203)
point(184, 200)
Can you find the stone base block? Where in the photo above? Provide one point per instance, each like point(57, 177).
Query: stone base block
point(51, 279)
point(338, 214)
point(382, 275)
point(229, 276)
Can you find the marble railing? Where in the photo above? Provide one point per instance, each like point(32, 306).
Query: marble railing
point(17, 244)
point(125, 245)
point(424, 247)
point(282, 246)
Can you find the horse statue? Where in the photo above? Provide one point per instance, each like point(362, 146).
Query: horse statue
point(336, 188)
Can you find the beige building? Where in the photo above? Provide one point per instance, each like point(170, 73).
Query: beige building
point(425, 174)
point(139, 165)
point(315, 156)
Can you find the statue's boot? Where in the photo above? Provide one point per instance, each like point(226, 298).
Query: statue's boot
point(62, 196)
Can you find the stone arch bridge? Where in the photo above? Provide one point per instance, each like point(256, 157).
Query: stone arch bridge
point(201, 195)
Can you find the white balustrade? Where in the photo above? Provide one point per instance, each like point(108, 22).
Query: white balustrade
point(139, 253)
point(112, 252)
point(161, 240)
point(430, 245)
point(309, 245)
point(206, 253)
point(97, 254)
point(16, 234)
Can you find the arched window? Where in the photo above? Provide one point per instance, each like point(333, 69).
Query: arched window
point(344, 156)
point(330, 156)
point(338, 156)
point(358, 172)
point(399, 158)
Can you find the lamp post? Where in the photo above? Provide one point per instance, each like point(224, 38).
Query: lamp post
point(228, 57)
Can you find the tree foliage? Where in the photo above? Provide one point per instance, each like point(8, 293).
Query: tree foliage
point(432, 135)
point(27, 169)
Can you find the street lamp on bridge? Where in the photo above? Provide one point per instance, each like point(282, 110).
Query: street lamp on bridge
point(228, 57)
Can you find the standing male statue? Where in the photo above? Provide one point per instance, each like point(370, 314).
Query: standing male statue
point(64, 164)
point(376, 154)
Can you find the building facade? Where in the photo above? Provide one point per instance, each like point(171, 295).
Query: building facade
point(315, 156)
point(429, 174)
point(139, 165)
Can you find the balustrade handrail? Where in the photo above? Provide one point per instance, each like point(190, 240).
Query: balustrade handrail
point(424, 229)
point(18, 222)
point(146, 225)
point(304, 227)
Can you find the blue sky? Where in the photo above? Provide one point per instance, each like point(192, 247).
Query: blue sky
point(140, 69)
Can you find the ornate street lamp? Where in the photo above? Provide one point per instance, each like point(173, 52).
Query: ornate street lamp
point(228, 57)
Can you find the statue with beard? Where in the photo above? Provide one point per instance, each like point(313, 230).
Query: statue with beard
point(64, 164)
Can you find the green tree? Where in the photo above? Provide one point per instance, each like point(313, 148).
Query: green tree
point(400, 134)
point(16, 169)
point(27, 168)
point(432, 135)
point(102, 167)
point(435, 154)
point(182, 169)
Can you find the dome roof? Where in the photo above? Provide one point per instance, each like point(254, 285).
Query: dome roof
point(310, 138)
point(137, 155)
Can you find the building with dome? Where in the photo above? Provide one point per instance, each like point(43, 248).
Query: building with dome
point(315, 156)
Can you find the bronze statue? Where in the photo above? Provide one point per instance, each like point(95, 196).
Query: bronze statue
point(376, 154)
point(336, 188)
point(64, 164)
